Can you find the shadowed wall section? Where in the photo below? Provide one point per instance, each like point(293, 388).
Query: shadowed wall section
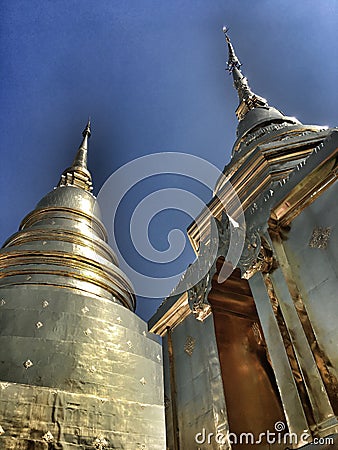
point(252, 398)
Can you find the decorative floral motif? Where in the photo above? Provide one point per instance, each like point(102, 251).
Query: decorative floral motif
point(100, 443)
point(27, 364)
point(257, 255)
point(48, 437)
point(189, 345)
point(320, 237)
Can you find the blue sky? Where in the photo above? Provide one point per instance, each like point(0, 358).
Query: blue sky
point(151, 74)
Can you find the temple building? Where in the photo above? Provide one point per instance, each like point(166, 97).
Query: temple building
point(250, 359)
point(257, 352)
point(78, 368)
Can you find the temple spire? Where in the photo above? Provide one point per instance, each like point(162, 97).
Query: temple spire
point(233, 61)
point(80, 159)
point(248, 99)
point(78, 174)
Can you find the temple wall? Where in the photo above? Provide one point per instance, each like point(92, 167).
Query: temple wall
point(199, 396)
point(313, 258)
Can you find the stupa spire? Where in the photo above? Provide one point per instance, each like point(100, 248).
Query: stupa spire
point(78, 174)
point(80, 159)
point(248, 99)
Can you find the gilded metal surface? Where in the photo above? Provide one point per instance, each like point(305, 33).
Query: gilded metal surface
point(199, 391)
point(247, 376)
point(248, 100)
point(321, 406)
point(97, 372)
point(284, 174)
point(171, 313)
point(78, 368)
point(307, 182)
point(173, 440)
point(290, 351)
point(198, 294)
point(198, 298)
point(316, 284)
point(293, 407)
point(256, 256)
point(78, 174)
point(259, 171)
point(62, 242)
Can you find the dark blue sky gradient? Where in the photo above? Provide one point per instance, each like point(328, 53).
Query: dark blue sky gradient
point(150, 73)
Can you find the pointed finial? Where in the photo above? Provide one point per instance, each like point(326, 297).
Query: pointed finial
point(248, 99)
point(81, 156)
point(78, 174)
point(86, 131)
point(233, 61)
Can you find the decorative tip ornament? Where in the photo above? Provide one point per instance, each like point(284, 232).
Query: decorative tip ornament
point(233, 61)
point(248, 99)
point(78, 174)
point(87, 132)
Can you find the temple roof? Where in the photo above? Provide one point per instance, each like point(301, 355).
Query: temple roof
point(253, 110)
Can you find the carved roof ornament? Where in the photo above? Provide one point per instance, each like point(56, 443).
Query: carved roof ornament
point(198, 298)
point(198, 294)
point(257, 255)
point(224, 234)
